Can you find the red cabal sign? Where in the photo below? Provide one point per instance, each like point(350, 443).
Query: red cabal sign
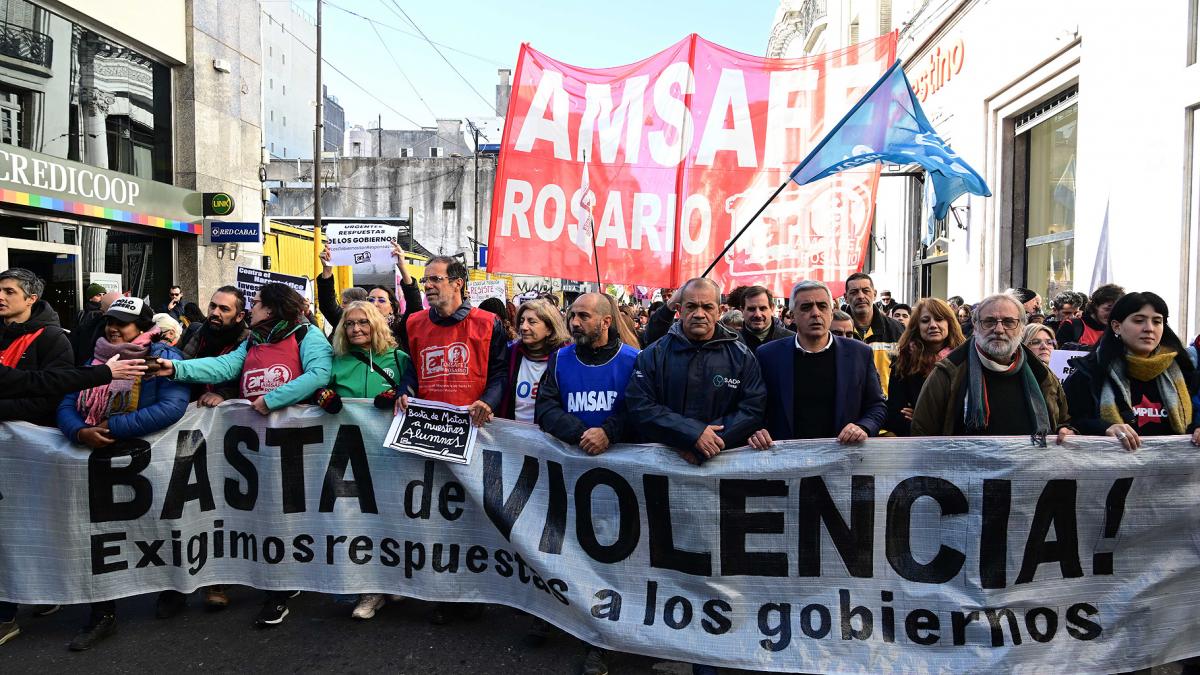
point(670, 156)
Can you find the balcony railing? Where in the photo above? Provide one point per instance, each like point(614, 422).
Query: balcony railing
point(810, 12)
point(26, 44)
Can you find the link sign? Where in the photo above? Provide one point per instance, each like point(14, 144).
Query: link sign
point(218, 204)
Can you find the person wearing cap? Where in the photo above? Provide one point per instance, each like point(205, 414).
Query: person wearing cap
point(106, 415)
point(91, 304)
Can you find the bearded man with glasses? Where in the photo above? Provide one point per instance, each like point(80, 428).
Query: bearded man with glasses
point(993, 385)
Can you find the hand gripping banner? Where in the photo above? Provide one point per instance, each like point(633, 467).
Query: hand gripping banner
point(901, 555)
point(669, 156)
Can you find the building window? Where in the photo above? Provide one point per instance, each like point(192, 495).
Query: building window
point(130, 146)
point(10, 116)
point(357, 148)
point(272, 112)
point(284, 88)
point(1046, 146)
point(285, 151)
point(406, 152)
point(285, 120)
point(283, 59)
point(447, 206)
point(436, 152)
point(272, 148)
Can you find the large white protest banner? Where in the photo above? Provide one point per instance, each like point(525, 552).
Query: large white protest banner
point(899, 555)
point(360, 243)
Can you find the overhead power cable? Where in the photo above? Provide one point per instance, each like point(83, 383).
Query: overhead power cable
point(439, 53)
point(411, 34)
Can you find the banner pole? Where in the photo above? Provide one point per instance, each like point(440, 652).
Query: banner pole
point(746, 226)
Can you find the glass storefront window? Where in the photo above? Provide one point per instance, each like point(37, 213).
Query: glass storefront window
point(1049, 268)
point(1049, 229)
point(69, 92)
point(143, 261)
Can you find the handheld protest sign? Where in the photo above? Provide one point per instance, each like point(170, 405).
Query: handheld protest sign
point(435, 430)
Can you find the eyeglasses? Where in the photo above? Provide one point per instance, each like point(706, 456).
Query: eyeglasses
point(434, 279)
point(356, 323)
point(989, 323)
point(1036, 342)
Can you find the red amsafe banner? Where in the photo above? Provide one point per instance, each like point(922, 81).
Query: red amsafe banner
point(670, 156)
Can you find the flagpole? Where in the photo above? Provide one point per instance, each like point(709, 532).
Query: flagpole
point(746, 226)
point(592, 224)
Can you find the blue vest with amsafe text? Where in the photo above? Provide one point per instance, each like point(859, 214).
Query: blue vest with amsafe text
point(593, 393)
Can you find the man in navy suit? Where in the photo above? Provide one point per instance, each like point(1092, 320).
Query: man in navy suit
point(818, 385)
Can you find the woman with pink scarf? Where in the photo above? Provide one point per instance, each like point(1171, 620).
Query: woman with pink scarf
point(102, 417)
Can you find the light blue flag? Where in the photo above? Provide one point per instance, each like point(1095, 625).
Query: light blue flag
point(888, 125)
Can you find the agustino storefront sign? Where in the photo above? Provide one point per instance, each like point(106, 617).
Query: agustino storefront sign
point(32, 179)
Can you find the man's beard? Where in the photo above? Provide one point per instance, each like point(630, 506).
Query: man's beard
point(998, 350)
point(220, 327)
point(584, 338)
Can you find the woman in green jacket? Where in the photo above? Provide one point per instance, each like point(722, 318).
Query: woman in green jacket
point(366, 361)
point(366, 364)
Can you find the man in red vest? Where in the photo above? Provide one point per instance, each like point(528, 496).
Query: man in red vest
point(457, 349)
point(31, 338)
point(458, 353)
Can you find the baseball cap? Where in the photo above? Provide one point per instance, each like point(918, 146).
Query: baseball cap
point(93, 290)
point(128, 310)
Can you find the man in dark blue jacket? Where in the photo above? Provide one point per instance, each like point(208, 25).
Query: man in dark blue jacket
point(818, 385)
point(699, 389)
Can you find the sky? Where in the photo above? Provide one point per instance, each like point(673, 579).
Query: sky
point(410, 84)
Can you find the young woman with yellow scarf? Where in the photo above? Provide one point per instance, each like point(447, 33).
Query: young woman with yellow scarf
point(1138, 382)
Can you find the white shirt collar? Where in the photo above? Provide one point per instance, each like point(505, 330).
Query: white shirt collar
point(827, 344)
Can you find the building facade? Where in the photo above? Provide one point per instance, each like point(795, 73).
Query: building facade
point(1081, 117)
point(335, 123)
point(440, 191)
point(444, 140)
point(289, 36)
point(99, 129)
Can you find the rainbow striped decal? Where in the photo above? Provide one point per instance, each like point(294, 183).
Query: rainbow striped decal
point(92, 211)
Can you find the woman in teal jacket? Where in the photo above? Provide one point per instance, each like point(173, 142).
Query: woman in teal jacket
point(284, 361)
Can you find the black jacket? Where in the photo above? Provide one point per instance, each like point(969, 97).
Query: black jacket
point(54, 383)
point(903, 392)
point(331, 309)
point(497, 371)
point(201, 341)
point(775, 332)
point(680, 387)
point(556, 421)
point(49, 351)
point(1084, 384)
point(883, 328)
point(83, 338)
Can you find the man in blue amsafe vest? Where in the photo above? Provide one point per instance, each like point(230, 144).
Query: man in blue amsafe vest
point(581, 401)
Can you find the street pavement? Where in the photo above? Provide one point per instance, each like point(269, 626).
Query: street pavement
point(317, 636)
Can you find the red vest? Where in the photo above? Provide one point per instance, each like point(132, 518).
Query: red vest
point(269, 366)
point(1090, 335)
point(451, 361)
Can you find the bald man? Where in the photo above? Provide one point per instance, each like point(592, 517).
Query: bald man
point(581, 400)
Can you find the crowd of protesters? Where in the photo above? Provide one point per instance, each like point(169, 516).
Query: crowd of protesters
point(698, 371)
